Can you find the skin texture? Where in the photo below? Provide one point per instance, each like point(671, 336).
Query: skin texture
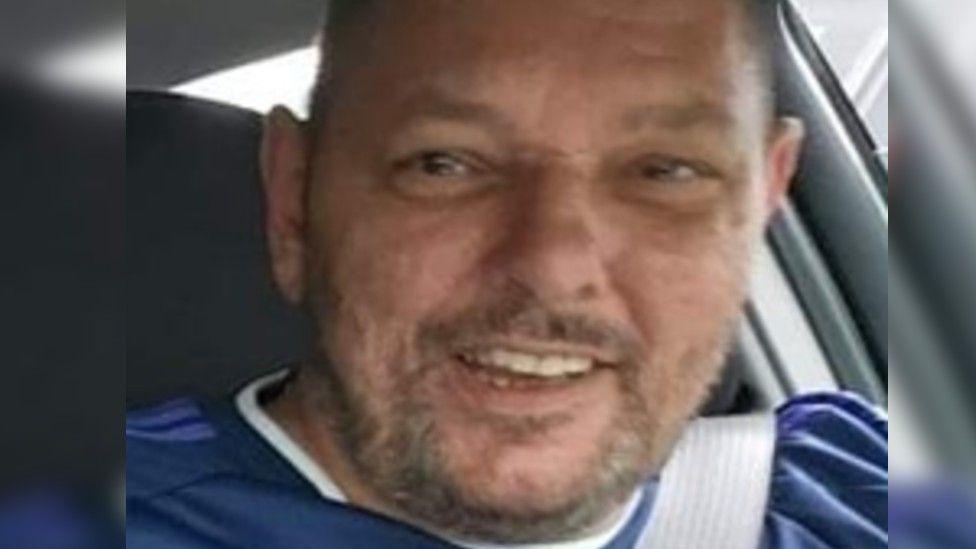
point(548, 176)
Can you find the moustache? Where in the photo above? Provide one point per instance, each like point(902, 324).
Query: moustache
point(528, 322)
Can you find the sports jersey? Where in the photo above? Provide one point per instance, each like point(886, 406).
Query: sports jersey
point(200, 474)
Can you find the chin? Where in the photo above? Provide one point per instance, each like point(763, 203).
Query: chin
point(529, 488)
point(551, 473)
point(517, 500)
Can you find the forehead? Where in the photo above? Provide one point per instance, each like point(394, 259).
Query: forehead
point(613, 53)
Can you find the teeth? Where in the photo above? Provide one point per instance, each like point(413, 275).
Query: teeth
point(534, 365)
point(500, 382)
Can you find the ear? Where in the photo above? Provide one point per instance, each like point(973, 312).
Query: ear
point(283, 173)
point(782, 158)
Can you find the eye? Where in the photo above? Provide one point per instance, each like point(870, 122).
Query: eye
point(672, 170)
point(441, 174)
point(440, 164)
point(666, 180)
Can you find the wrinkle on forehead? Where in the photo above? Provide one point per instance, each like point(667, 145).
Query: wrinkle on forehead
point(675, 11)
point(668, 23)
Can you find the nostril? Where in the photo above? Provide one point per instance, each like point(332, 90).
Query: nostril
point(588, 291)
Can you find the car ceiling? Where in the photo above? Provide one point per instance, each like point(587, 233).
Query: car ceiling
point(172, 41)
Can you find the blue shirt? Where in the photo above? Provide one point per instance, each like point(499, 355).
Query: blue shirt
point(197, 475)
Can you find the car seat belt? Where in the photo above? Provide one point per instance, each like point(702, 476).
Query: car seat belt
point(714, 489)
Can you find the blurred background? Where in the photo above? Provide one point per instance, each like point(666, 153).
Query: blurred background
point(62, 312)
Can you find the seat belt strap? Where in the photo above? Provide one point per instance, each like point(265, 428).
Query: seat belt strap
point(714, 489)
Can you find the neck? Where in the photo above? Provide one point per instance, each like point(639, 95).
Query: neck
point(299, 411)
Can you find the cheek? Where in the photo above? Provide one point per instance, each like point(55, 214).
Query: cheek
point(405, 267)
point(684, 275)
point(684, 300)
point(386, 267)
point(695, 293)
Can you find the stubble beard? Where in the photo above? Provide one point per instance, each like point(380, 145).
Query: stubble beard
point(398, 452)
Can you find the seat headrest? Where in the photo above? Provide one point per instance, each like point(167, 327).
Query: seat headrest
point(203, 314)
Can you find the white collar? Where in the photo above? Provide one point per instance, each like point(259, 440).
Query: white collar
point(250, 409)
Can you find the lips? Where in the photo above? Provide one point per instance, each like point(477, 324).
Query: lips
point(507, 368)
point(476, 391)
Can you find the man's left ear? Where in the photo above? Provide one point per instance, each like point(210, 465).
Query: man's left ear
point(782, 158)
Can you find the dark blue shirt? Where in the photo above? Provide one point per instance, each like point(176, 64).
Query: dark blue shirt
point(197, 475)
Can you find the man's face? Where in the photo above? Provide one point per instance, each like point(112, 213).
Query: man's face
point(526, 241)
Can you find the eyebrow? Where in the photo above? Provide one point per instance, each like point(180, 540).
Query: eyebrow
point(441, 107)
point(700, 114)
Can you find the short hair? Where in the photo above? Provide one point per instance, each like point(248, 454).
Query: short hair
point(339, 14)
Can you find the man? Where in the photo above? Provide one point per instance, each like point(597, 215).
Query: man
point(524, 231)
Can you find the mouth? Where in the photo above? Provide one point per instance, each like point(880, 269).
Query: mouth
point(529, 379)
point(508, 368)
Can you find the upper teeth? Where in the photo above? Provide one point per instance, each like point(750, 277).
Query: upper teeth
point(536, 365)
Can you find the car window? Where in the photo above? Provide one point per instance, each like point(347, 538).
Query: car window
point(853, 35)
point(260, 85)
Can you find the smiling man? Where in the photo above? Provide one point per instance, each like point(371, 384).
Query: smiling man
point(523, 230)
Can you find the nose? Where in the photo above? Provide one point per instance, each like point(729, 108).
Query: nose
point(551, 244)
